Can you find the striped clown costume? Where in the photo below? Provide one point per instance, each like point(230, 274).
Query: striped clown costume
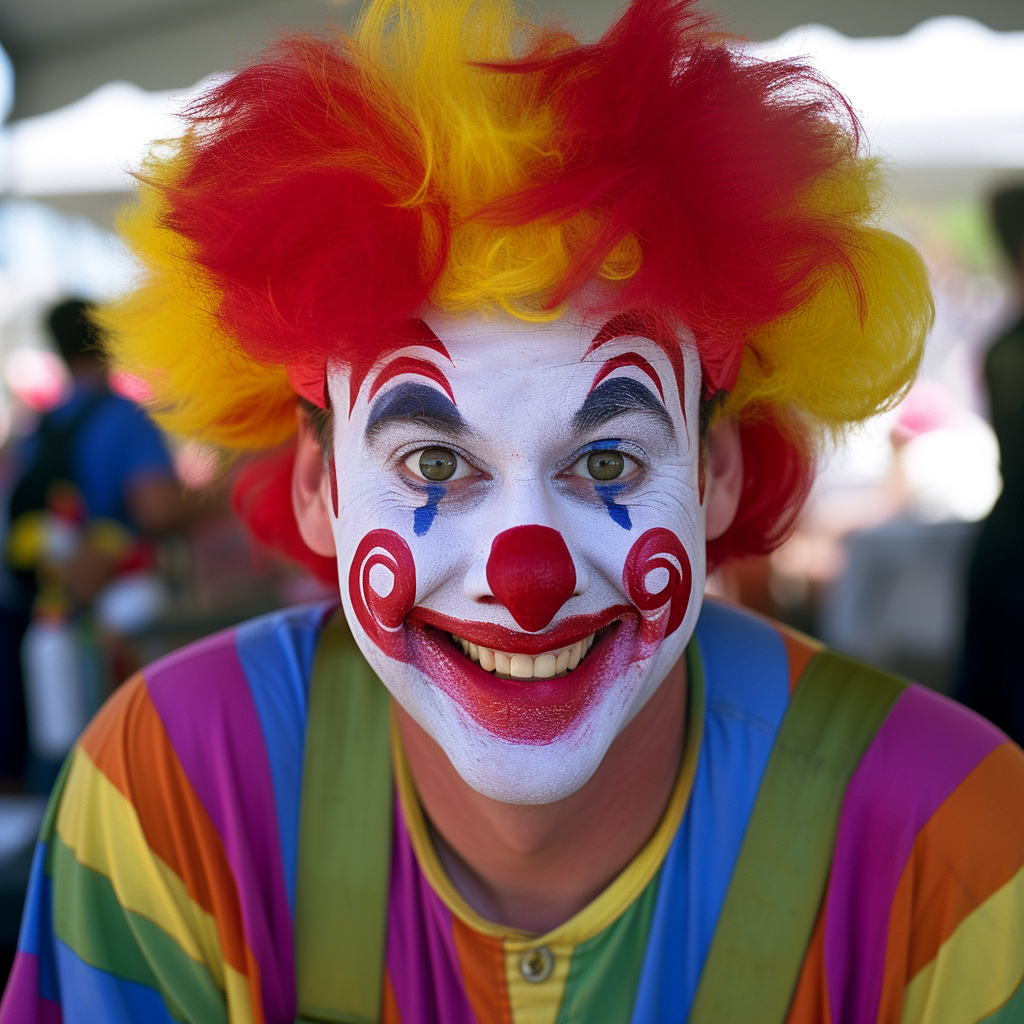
point(514, 337)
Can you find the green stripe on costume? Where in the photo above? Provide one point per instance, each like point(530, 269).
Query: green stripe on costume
point(344, 865)
point(605, 970)
point(89, 918)
point(782, 870)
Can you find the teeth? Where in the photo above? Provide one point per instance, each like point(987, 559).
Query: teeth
point(575, 653)
point(521, 667)
point(544, 666)
point(526, 666)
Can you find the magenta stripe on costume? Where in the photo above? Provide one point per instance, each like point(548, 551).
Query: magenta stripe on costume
point(422, 962)
point(207, 710)
point(927, 746)
point(21, 1003)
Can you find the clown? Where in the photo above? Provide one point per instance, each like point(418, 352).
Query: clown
point(525, 335)
point(537, 535)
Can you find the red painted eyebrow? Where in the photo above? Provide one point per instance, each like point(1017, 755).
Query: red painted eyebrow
point(638, 324)
point(628, 359)
point(409, 364)
point(411, 332)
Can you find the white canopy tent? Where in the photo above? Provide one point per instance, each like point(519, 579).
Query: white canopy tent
point(948, 94)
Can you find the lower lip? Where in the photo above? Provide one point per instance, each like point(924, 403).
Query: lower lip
point(535, 711)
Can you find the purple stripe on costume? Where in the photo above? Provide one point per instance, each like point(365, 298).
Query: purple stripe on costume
point(22, 1003)
point(926, 747)
point(421, 958)
point(203, 699)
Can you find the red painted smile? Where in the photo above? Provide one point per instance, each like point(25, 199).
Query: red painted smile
point(533, 710)
point(524, 687)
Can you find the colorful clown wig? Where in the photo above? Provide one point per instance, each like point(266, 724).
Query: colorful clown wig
point(449, 152)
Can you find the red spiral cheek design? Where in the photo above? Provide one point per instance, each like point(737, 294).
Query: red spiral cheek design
point(659, 549)
point(381, 616)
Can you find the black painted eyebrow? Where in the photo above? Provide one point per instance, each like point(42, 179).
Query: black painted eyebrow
point(616, 397)
point(415, 403)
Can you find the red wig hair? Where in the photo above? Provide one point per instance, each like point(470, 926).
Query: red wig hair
point(328, 190)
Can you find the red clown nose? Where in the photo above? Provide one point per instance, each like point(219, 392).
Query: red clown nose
point(530, 572)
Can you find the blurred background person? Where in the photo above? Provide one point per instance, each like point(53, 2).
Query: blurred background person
point(992, 679)
point(96, 485)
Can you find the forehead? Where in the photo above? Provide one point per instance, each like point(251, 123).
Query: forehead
point(476, 357)
point(477, 341)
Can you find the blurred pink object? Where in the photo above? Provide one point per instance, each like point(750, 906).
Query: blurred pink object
point(928, 406)
point(127, 385)
point(36, 377)
point(195, 464)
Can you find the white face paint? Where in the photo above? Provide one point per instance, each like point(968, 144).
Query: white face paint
point(520, 609)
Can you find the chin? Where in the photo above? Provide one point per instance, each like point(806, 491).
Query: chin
point(522, 774)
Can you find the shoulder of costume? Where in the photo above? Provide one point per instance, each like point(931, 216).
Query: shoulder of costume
point(927, 751)
point(285, 638)
point(922, 730)
point(224, 691)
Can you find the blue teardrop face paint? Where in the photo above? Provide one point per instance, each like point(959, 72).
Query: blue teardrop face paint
point(619, 513)
point(423, 517)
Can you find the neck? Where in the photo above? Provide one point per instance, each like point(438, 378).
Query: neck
point(532, 867)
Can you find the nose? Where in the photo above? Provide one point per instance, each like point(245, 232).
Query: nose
point(530, 572)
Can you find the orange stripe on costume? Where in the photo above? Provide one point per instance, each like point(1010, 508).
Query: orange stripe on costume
point(389, 1007)
point(800, 650)
point(810, 1000)
point(128, 733)
point(482, 959)
point(941, 884)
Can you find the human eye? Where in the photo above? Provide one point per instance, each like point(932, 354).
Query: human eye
point(436, 465)
point(605, 465)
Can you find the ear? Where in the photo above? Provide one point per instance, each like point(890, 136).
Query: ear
point(723, 477)
point(311, 491)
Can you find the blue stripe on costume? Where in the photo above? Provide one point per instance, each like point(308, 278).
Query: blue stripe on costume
point(276, 652)
point(101, 996)
point(36, 934)
point(746, 680)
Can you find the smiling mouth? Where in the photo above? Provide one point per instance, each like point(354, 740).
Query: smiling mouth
point(507, 665)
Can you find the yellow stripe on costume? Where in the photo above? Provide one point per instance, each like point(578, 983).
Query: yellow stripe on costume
point(236, 989)
point(99, 825)
point(536, 1002)
point(977, 968)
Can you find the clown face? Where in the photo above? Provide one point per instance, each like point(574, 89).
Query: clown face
point(520, 536)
